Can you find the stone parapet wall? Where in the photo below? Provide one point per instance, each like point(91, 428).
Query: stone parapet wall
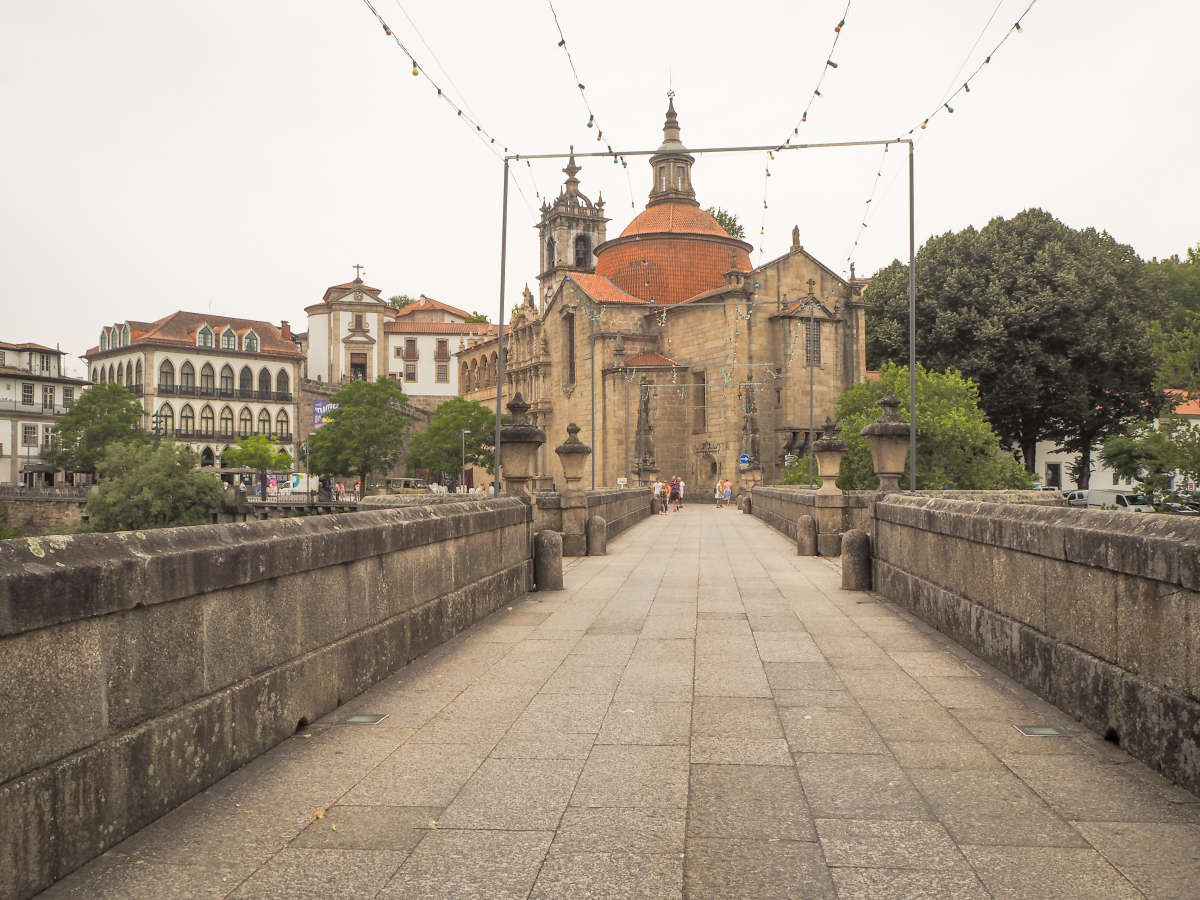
point(141, 667)
point(1099, 613)
point(835, 514)
point(620, 509)
point(36, 516)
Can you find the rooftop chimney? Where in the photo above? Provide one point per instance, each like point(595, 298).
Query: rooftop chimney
point(285, 330)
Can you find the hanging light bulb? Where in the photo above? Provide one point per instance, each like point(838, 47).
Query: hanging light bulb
point(563, 42)
point(966, 87)
point(387, 30)
point(831, 63)
point(771, 153)
point(416, 69)
point(1017, 26)
point(591, 121)
point(949, 108)
point(768, 173)
point(885, 148)
point(816, 92)
point(837, 28)
point(581, 87)
point(923, 124)
point(803, 117)
point(764, 204)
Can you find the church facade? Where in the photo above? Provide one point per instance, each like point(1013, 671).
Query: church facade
point(671, 351)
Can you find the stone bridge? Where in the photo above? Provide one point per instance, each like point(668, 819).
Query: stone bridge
point(700, 713)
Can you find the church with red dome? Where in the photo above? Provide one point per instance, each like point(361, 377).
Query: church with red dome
point(673, 353)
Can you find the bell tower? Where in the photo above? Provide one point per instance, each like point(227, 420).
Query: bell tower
point(672, 165)
point(569, 231)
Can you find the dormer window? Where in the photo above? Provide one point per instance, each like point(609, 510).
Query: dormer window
point(125, 336)
point(204, 337)
point(104, 339)
point(228, 339)
point(250, 342)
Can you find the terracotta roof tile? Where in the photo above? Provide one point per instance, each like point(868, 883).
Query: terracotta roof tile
point(428, 303)
point(27, 346)
point(1183, 406)
point(179, 328)
point(676, 218)
point(669, 268)
point(341, 290)
point(601, 289)
point(403, 327)
point(650, 360)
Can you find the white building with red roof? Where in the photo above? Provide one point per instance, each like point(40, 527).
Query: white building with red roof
point(35, 392)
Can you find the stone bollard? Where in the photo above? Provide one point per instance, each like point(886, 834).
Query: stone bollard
point(806, 536)
point(856, 561)
point(744, 502)
point(547, 561)
point(597, 536)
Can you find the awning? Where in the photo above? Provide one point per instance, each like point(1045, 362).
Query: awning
point(38, 468)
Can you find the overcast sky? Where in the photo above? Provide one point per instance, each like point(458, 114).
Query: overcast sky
point(241, 156)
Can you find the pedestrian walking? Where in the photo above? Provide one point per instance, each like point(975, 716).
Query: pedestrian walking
point(717, 492)
point(663, 496)
point(675, 493)
point(680, 506)
point(656, 490)
point(726, 493)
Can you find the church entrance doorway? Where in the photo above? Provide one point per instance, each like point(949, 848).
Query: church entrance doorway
point(206, 457)
point(358, 366)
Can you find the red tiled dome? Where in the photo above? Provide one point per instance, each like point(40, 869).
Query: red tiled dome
point(671, 252)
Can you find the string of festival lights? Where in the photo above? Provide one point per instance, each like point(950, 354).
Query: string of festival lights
point(826, 67)
point(461, 111)
point(914, 132)
point(587, 104)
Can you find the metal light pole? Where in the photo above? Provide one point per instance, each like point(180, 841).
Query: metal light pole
point(912, 331)
point(808, 358)
point(500, 329)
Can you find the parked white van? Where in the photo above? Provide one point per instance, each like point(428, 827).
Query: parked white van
point(1112, 498)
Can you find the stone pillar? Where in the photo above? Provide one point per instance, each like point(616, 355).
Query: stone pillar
point(597, 536)
point(828, 452)
point(888, 439)
point(806, 535)
point(856, 561)
point(519, 442)
point(547, 561)
point(572, 454)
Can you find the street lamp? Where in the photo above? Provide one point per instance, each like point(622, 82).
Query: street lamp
point(811, 302)
point(462, 475)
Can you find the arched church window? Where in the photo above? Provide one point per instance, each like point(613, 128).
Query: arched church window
point(264, 422)
point(207, 383)
point(227, 421)
point(264, 384)
point(166, 374)
point(245, 422)
point(582, 249)
point(281, 424)
point(282, 382)
point(206, 420)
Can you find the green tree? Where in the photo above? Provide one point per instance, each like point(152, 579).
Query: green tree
point(143, 486)
point(400, 301)
point(796, 472)
point(477, 317)
point(1176, 337)
point(728, 221)
point(259, 452)
point(1050, 322)
point(1151, 453)
point(956, 445)
point(102, 415)
point(439, 448)
point(364, 434)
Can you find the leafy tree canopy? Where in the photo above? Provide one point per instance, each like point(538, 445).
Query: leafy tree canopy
point(956, 445)
point(102, 415)
point(364, 434)
point(1050, 322)
point(142, 486)
point(728, 221)
point(400, 301)
point(439, 448)
point(256, 451)
point(477, 317)
point(1176, 338)
point(1149, 453)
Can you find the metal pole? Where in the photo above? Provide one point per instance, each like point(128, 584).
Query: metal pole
point(500, 329)
point(809, 359)
point(462, 475)
point(912, 330)
point(595, 446)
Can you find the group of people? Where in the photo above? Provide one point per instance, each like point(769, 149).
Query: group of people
point(722, 492)
point(668, 494)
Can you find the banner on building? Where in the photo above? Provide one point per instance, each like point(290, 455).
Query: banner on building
point(320, 408)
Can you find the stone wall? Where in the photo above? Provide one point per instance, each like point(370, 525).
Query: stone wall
point(835, 514)
point(38, 516)
point(1099, 613)
point(621, 509)
point(141, 667)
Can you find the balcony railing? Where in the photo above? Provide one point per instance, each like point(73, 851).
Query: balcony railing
point(283, 396)
point(166, 388)
point(245, 393)
point(34, 409)
point(187, 390)
point(136, 390)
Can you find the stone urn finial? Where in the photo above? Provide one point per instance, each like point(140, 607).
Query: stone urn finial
point(828, 452)
point(888, 439)
point(573, 453)
point(519, 442)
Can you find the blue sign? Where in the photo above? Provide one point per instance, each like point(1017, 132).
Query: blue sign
point(744, 459)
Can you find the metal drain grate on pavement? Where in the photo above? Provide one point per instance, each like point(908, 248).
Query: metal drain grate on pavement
point(1038, 731)
point(365, 719)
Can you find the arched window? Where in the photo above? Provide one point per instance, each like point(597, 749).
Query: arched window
point(549, 254)
point(492, 369)
point(111, 376)
point(283, 384)
point(246, 382)
point(282, 426)
point(582, 250)
point(204, 337)
point(226, 421)
point(250, 342)
point(104, 339)
point(206, 420)
point(129, 373)
point(187, 377)
point(245, 422)
point(465, 378)
point(125, 336)
point(206, 457)
point(95, 375)
point(226, 381)
point(137, 374)
point(187, 420)
point(264, 384)
point(264, 422)
point(166, 419)
point(206, 380)
point(120, 374)
point(166, 375)
point(228, 339)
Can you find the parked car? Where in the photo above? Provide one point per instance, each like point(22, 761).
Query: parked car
point(1113, 498)
point(1076, 498)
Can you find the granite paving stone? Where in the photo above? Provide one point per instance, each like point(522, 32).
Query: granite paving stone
point(700, 713)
